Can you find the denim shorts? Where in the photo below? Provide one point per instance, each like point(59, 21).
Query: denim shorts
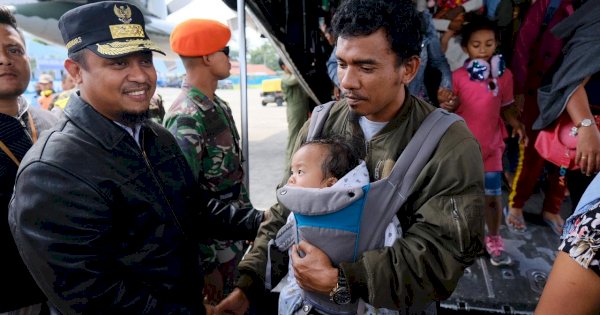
point(493, 183)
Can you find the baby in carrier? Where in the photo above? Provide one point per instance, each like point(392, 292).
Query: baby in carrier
point(317, 167)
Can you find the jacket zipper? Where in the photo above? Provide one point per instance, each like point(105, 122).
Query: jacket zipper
point(146, 160)
point(24, 125)
point(456, 217)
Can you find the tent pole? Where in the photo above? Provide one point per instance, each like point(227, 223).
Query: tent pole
point(241, 12)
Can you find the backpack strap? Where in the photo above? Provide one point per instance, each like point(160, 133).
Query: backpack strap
point(317, 120)
point(419, 150)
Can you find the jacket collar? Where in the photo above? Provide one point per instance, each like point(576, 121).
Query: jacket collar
point(199, 98)
point(400, 118)
point(22, 107)
point(85, 117)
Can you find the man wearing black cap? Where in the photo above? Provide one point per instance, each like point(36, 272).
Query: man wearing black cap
point(122, 235)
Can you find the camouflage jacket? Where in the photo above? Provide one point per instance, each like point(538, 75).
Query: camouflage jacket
point(207, 135)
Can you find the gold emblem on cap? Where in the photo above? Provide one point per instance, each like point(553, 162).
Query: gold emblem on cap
point(123, 13)
point(126, 30)
point(126, 47)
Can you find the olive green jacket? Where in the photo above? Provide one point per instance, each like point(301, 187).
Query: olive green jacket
point(442, 221)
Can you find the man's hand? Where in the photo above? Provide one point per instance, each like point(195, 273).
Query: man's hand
point(313, 271)
point(235, 303)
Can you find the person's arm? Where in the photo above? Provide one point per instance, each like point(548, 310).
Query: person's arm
point(571, 289)
point(436, 56)
point(64, 230)
point(289, 79)
point(443, 25)
point(227, 221)
point(453, 102)
point(510, 114)
point(509, 110)
point(445, 238)
point(588, 138)
point(250, 284)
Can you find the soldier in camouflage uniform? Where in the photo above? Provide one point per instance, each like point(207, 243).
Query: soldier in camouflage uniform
point(204, 128)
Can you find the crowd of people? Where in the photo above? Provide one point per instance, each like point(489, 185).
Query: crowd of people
point(110, 210)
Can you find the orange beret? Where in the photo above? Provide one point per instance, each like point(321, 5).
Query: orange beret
point(199, 37)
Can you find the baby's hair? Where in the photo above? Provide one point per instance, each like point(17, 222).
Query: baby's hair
point(342, 155)
point(477, 22)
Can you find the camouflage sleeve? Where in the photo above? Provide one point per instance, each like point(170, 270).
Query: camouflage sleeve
point(188, 134)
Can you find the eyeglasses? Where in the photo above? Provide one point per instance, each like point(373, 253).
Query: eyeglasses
point(225, 51)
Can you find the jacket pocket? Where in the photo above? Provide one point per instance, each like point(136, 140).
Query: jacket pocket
point(460, 225)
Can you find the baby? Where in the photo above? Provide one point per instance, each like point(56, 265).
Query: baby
point(318, 165)
point(325, 163)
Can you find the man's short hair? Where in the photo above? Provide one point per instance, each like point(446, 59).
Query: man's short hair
point(7, 18)
point(79, 58)
point(398, 18)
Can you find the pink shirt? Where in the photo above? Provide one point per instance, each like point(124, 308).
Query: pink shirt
point(481, 111)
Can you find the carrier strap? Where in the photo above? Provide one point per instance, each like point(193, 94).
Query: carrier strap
point(392, 191)
point(317, 120)
point(419, 150)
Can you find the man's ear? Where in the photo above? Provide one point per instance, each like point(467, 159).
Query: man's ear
point(206, 60)
point(411, 66)
point(74, 69)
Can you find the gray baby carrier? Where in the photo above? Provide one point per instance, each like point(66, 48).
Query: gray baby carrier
point(345, 222)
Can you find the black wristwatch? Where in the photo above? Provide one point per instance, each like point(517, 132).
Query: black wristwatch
point(340, 294)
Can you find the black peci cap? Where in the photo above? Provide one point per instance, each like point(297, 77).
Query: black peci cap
point(111, 29)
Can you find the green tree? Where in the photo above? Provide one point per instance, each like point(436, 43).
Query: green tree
point(265, 55)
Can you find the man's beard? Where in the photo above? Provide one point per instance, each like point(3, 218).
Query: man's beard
point(12, 93)
point(135, 118)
